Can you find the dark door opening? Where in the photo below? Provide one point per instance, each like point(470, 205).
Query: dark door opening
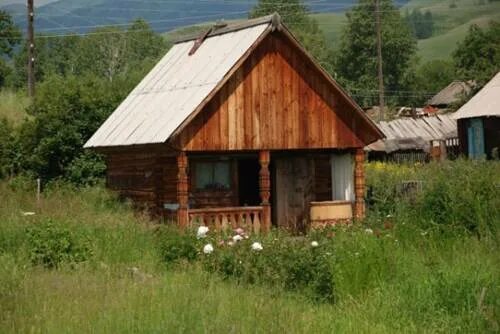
point(248, 182)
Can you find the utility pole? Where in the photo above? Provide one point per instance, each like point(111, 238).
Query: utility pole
point(379, 59)
point(31, 49)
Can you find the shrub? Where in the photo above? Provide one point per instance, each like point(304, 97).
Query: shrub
point(175, 246)
point(52, 244)
point(284, 262)
point(461, 194)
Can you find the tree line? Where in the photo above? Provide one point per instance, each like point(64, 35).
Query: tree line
point(82, 79)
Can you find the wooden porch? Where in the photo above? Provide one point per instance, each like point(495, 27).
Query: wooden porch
point(257, 218)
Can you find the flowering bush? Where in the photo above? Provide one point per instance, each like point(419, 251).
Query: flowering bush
point(295, 264)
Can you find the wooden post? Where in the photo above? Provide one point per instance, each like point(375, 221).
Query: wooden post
point(31, 49)
point(182, 190)
point(380, 63)
point(359, 184)
point(265, 189)
point(38, 192)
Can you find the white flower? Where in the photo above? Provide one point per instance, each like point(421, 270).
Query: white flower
point(202, 232)
point(29, 213)
point(237, 238)
point(314, 244)
point(256, 246)
point(230, 243)
point(369, 231)
point(208, 249)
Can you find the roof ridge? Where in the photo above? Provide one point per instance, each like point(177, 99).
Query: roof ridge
point(274, 19)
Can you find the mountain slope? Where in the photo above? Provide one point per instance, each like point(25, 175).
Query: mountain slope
point(66, 16)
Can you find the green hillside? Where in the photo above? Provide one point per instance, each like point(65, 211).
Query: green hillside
point(451, 24)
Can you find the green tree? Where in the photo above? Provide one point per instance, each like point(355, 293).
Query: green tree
point(105, 52)
point(356, 61)
point(6, 147)
point(111, 51)
point(10, 36)
point(296, 17)
point(421, 25)
point(477, 57)
point(54, 55)
point(65, 113)
point(431, 77)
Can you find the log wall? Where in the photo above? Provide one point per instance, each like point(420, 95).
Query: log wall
point(149, 179)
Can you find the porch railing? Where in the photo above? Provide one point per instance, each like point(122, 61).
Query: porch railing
point(247, 217)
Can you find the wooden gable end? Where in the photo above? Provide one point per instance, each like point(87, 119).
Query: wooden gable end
point(277, 99)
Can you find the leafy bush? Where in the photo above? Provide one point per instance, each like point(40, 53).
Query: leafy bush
point(175, 246)
point(52, 244)
point(86, 169)
point(460, 194)
point(284, 262)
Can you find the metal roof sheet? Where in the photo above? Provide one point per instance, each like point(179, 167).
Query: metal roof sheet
point(414, 134)
point(485, 103)
point(451, 93)
point(174, 88)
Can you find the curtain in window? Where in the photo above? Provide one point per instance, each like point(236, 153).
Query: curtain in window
point(342, 177)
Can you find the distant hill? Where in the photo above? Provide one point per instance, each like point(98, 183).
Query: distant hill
point(181, 17)
point(451, 24)
point(66, 16)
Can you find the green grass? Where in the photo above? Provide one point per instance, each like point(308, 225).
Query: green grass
point(409, 277)
point(452, 24)
point(331, 24)
point(13, 105)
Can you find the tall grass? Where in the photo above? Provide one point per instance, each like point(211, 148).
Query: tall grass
point(406, 276)
point(13, 105)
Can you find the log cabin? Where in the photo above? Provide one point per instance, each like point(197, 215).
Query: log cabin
point(239, 126)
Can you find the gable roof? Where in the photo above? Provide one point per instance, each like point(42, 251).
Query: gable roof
point(451, 93)
point(485, 103)
point(180, 85)
point(414, 134)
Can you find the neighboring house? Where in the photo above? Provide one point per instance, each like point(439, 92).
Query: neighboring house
point(479, 122)
point(239, 127)
point(409, 140)
point(450, 95)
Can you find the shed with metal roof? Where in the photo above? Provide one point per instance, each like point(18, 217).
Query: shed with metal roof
point(222, 114)
point(479, 122)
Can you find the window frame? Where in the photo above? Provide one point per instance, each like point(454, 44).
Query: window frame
point(214, 161)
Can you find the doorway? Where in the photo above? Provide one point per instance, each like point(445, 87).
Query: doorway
point(293, 190)
point(248, 182)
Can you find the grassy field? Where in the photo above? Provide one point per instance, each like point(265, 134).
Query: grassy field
point(452, 24)
point(411, 277)
point(13, 105)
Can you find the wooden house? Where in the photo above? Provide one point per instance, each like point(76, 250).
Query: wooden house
point(239, 126)
point(479, 122)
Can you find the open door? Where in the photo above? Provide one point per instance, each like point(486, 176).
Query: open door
point(248, 182)
point(294, 190)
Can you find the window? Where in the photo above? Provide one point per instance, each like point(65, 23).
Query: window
point(213, 175)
